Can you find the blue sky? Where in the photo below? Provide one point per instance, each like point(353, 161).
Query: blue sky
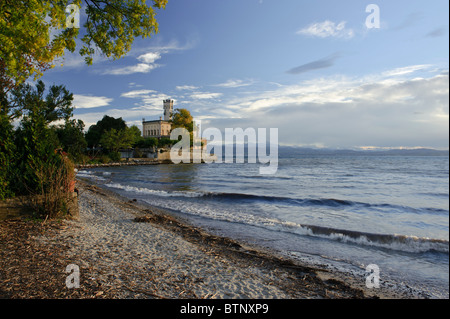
point(312, 69)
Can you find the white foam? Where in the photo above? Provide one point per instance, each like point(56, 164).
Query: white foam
point(143, 190)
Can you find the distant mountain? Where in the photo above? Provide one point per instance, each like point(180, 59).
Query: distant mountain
point(293, 151)
point(290, 151)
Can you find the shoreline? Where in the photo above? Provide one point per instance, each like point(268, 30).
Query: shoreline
point(128, 250)
point(131, 162)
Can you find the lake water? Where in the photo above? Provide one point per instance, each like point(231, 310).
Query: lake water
point(338, 211)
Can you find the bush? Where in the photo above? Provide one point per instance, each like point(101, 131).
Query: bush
point(104, 159)
point(114, 156)
point(7, 150)
point(55, 197)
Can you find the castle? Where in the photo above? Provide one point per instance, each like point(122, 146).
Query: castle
point(159, 128)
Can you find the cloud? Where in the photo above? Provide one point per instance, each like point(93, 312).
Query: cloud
point(436, 32)
point(88, 101)
point(205, 95)
point(138, 68)
point(234, 84)
point(186, 87)
point(379, 109)
point(405, 106)
point(327, 29)
point(406, 70)
point(137, 93)
point(314, 65)
point(149, 57)
point(173, 45)
point(148, 100)
point(148, 64)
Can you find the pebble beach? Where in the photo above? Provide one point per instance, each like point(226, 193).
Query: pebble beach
point(125, 250)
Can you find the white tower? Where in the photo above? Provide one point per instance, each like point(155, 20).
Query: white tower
point(168, 109)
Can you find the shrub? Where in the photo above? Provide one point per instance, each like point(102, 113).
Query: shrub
point(114, 156)
point(54, 198)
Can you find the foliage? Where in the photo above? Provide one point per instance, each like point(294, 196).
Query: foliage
point(7, 157)
point(182, 118)
point(166, 142)
point(114, 140)
point(34, 32)
point(135, 132)
point(33, 164)
point(53, 197)
point(71, 137)
point(95, 132)
point(35, 141)
point(27, 48)
point(147, 142)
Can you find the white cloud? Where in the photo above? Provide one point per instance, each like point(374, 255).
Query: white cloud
point(327, 29)
point(387, 109)
point(173, 45)
point(205, 95)
point(137, 93)
point(234, 84)
point(338, 111)
point(406, 70)
point(147, 65)
point(87, 101)
point(149, 57)
point(138, 68)
point(186, 87)
point(148, 99)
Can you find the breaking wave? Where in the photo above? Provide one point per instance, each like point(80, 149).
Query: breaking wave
point(404, 243)
point(329, 202)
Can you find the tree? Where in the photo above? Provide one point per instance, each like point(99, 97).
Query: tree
point(34, 33)
point(26, 98)
point(7, 157)
point(71, 137)
point(114, 140)
point(107, 123)
point(182, 118)
point(135, 133)
point(147, 142)
point(34, 140)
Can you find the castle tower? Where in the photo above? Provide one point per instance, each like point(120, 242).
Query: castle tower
point(168, 109)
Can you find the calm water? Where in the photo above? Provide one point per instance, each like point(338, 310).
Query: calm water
point(341, 211)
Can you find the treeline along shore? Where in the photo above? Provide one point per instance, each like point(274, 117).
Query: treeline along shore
point(134, 162)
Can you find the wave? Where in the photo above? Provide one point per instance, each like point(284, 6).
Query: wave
point(404, 243)
point(411, 244)
point(329, 202)
point(143, 190)
point(233, 197)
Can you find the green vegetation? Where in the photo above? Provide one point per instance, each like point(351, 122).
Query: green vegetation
point(34, 33)
point(36, 155)
point(32, 153)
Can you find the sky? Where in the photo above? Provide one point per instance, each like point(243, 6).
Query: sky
point(325, 73)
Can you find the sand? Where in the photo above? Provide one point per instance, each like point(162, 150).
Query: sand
point(143, 259)
point(126, 250)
